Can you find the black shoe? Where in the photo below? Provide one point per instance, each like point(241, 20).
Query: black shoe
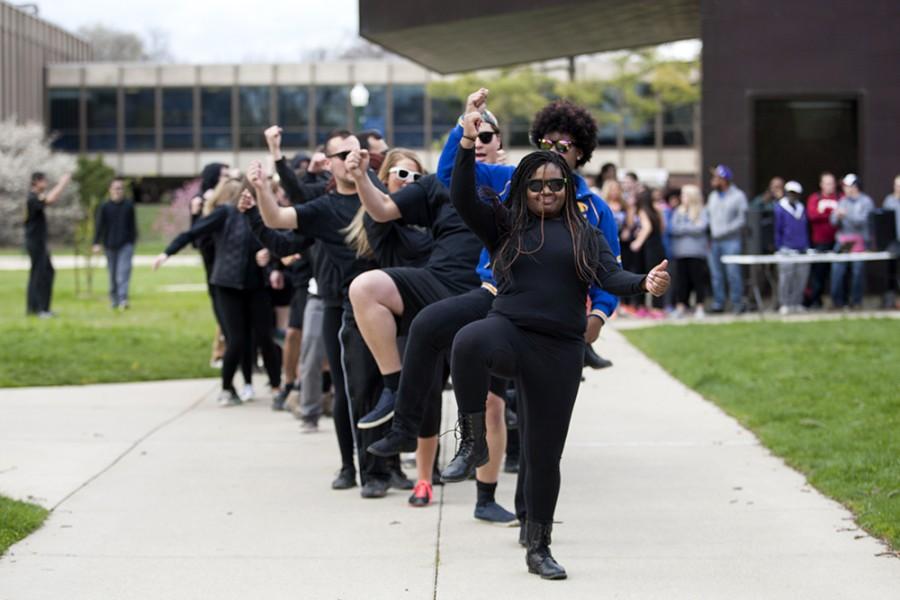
point(375, 488)
point(399, 480)
point(716, 310)
point(281, 397)
point(382, 413)
point(472, 452)
point(537, 556)
point(345, 480)
point(511, 464)
point(594, 360)
point(491, 512)
point(393, 444)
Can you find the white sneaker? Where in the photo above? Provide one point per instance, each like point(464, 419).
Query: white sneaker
point(699, 313)
point(246, 394)
point(228, 398)
point(784, 310)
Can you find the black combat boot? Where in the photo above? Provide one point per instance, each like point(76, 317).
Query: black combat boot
point(472, 452)
point(538, 557)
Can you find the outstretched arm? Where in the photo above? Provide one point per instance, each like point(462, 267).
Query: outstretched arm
point(54, 194)
point(614, 279)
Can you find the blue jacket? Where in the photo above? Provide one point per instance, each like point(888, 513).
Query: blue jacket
point(498, 177)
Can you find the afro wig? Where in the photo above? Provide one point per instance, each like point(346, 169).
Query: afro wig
point(564, 117)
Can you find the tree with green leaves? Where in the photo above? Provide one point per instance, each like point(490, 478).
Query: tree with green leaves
point(93, 177)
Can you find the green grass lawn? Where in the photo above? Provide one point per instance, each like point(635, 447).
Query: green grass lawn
point(825, 396)
point(165, 335)
point(17, 520)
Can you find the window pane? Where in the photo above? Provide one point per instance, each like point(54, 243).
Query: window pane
point(215, 120)
point(64, 118)
point(332, 103)
point(374, 114)
point(678, 126)
point(101, 119)
point(444, 114)
point(409, 115)
point(140, 119)
point(255, 115)
point(293, 116)
point(178, 118)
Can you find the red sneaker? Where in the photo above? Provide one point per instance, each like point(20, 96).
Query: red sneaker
point(421, 495)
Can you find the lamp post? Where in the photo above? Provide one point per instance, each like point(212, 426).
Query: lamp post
point(359, 99)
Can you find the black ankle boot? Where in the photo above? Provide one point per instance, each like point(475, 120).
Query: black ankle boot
point(472, 452)
point(538, 557)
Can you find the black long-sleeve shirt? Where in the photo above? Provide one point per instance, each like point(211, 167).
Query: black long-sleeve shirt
point(235, 261)
point(299, 191)
point(116, 224)
point(542, 291)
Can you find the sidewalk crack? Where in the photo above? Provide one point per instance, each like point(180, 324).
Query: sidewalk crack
point(131, 449)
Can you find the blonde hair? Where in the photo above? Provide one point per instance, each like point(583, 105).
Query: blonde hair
point(355, 233)
point(691, 202)
point(227, 191)
point(607, 185)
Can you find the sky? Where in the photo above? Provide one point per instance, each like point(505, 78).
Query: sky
point(228, 31)
point(225, 31)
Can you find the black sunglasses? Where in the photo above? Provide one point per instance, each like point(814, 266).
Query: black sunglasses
point(537, 185)
point(341, 155)
point(487, 136)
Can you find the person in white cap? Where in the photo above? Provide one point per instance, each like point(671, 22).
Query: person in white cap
point(852, 220)
point(791, 237)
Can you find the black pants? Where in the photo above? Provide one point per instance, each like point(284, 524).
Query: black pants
point(819, 274)
point(40, 278)
point(691, 275)
point(363, 384)
point(430, 339)
point(331, 327)
point(247, 317)
point(547, 372)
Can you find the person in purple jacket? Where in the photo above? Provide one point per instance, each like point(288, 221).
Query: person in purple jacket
point(791, 237)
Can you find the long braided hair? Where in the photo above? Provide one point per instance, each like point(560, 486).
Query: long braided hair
point(513, 243)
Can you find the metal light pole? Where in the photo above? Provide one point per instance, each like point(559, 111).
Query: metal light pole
point(359, 99)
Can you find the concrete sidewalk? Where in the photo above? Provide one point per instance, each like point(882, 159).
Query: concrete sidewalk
point(161, 494)
point(69, 261)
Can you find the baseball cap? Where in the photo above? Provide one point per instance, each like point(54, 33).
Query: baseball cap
point(850, 179)
point(793, 186)
point(722, 171)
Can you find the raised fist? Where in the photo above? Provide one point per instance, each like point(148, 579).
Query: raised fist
point(256, 175)
point(357, 163)
point(273, 140)
point(477, 101)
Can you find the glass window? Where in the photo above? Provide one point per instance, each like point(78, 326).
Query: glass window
point(140, 119)
point(678, 125)
point(444, 115)
point(374, 114)
point(215, 120)
point(293, 116)
point(102, 105)
point(409, 116)
point(178, 118)
point(332, 110)
point(64, 118)
point(640, 131)
point(255, 112)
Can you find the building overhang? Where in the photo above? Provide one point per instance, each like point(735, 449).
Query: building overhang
point(463, 35)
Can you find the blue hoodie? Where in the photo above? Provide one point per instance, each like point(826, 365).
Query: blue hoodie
point(498, 178)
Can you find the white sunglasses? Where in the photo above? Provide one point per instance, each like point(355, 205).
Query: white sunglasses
point(405, 174)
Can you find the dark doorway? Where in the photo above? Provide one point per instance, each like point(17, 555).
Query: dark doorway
point(801, 137)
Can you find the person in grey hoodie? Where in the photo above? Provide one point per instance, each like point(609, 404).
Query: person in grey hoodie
point(852, 220)
point(892, 202)
point(727, 209)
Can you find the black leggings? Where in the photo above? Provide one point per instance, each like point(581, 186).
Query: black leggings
point(430, 338)
point(331, 327)
point(547, 372)
point(248, 357)
point(247, 317)
point(691, 274)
